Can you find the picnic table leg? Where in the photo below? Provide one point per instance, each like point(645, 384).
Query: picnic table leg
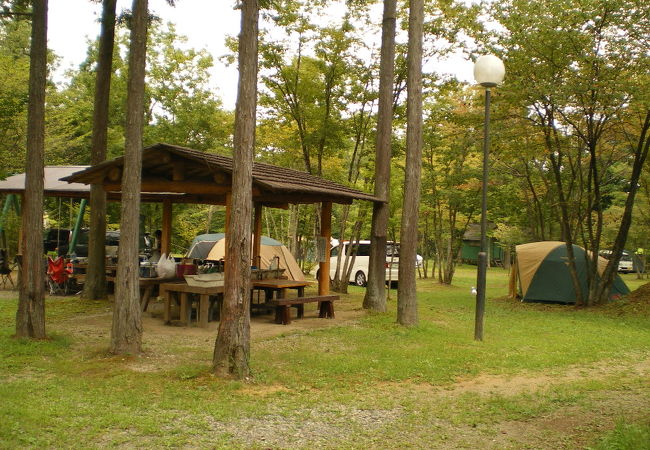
point(186, 309)
point(286, 310)
point(168, 307)
point(301, 310)
point(146, 295)
point(204, 306)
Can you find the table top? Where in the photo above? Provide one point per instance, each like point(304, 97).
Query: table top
point(279, 283)
point(184, 287)
point(147, 281)
point(180, 286)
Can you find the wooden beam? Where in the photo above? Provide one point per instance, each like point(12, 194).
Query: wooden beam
point(326, 234)
point(268, 197)
point(184, 187)
point(257, 236)
point(166, 238)
point(227, 224)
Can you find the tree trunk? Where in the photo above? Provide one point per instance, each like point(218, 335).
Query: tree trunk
point(641, 153)
point(232, 347)
point(407, 313)
point(95, 283)
point(126, 335)
point(375, 298)
point(30, 316)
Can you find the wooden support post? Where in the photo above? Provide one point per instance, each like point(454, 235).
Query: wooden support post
point(257, 236)
point(166, 238)
point(227, 226)
point(326, 234)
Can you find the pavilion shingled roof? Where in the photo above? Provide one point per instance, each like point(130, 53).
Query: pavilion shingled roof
point(273, 183)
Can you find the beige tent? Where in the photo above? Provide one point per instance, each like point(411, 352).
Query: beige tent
point(542, 270)
point(212, 247)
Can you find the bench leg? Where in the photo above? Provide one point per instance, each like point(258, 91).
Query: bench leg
point(326, 310)
point(283, 314)
point(301, 310)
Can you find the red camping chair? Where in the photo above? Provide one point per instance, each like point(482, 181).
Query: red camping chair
point(57, 275)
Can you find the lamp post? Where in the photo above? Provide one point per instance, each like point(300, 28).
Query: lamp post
point(488, 72)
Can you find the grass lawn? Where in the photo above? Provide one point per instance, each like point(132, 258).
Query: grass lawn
point(545, 376)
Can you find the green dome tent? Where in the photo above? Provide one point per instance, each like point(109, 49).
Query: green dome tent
point(542, 270)
point(212, 247)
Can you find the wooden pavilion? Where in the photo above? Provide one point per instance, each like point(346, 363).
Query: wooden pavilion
point(173, 174)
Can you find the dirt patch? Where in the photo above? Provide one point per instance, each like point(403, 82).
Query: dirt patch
point(519, 384)
point(309, 428)
point(161, 342)
point(573, 427)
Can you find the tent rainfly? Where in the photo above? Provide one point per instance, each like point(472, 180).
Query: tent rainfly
point(543, 273)
point(212, 247)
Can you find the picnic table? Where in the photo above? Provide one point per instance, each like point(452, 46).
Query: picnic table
point(280, 287)
point(209, 298)
point(180, 292)
point(283, 304)
point(147, 285)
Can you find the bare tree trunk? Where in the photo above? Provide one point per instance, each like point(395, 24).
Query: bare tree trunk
point(30, 316)
point(375, 298)
point(95, 283)
point(407, 312)
point(640, 155)
point(232, 347)
point(126, 334)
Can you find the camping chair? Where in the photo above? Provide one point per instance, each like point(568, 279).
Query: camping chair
point(5, 269)
point(57, 276)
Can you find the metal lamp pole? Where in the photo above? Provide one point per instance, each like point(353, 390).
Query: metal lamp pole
point(482, 254)
point(488, 71)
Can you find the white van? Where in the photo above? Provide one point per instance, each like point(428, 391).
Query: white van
point(625, 264)
point(359, 273)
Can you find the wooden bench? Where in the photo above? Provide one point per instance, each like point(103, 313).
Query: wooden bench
point(282, 307)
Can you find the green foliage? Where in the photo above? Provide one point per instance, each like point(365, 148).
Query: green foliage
point(14, 75)
point(626, 436)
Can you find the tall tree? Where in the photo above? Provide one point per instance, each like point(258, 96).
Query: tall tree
point(375, 298)
point(232, 347)
point(576, 73)
point(407, 313)
point(30, 317)
point(14, 87)
point(95, 284)
point(126, 335)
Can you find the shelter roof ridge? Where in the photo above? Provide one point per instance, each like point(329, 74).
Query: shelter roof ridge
point(275, 184)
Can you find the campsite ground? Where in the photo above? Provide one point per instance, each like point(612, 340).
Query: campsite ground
point(546, 376)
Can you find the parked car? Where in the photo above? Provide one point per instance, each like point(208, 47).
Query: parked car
point(359, 273)
point(112, 243)
point(625, 264)
point(54, 237)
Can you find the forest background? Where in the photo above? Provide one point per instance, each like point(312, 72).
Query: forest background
point(566, 123)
